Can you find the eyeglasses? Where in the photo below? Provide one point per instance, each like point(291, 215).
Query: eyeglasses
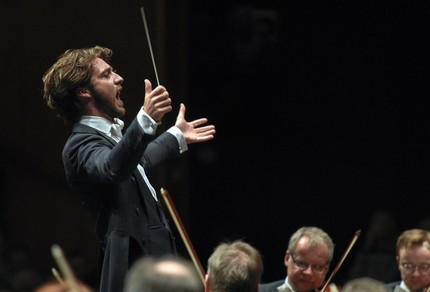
point(410, 268)
point(304, 266)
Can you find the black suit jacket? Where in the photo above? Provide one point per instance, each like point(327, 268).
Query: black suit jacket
point(129, 221)
point(271, 287)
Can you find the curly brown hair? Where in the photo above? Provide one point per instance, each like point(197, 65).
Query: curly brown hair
point(72, 70)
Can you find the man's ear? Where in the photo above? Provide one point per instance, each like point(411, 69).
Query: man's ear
point(286, 257)
point(82, 92)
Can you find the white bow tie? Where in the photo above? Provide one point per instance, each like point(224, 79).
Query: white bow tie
point(116, 129)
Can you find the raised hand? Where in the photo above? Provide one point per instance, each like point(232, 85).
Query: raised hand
point(157, 102)
point(193, 132)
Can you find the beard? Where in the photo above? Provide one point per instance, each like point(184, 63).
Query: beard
point(108, 103)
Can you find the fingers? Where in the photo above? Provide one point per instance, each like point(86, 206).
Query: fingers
point(161, 106)
point(181, 114)
point(193, 131)
point(161, 100)
point(199, 122)
point(203, 136)
point(159, 92)
point(148, 87)
point(206, 129)
point(157, 101)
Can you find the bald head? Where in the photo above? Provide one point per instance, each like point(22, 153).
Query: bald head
point(173, 268)
point(163, 274)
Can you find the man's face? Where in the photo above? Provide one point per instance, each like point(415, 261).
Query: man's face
point(308, 266)
point(105, 87)
point(414, 266)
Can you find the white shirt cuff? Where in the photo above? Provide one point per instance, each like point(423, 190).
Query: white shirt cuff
point(149, 126)
point(180, 137)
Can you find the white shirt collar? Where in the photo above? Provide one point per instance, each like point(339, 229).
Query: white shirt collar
point(404, 287)
point(99, 123)
point(286, 286)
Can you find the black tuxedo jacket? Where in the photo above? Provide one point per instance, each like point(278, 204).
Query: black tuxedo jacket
point(394, 287)
point(129, 221)
point(272, 286)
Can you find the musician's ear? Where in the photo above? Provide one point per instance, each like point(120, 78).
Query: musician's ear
point(286, 258)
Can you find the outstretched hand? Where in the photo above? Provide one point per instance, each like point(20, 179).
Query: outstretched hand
point(193, 132)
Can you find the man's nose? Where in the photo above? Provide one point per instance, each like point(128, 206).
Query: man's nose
point(118, 79)
point(416, 271)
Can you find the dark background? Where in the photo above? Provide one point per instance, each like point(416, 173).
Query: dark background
point(321, 111)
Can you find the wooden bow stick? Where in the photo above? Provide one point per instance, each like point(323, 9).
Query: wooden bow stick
point(345, 254)
point(183, 233)
point(59, 257)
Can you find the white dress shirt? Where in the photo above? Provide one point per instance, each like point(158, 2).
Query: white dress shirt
point(286, 287)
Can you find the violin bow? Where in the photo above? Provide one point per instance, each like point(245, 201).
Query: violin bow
point(345, 254)
point(183, 233)
point(59, 257)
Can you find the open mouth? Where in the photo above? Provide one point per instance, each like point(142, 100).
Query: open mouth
point(119, 101)
point(118, 94)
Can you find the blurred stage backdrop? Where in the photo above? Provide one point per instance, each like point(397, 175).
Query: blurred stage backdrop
point(321, 108)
